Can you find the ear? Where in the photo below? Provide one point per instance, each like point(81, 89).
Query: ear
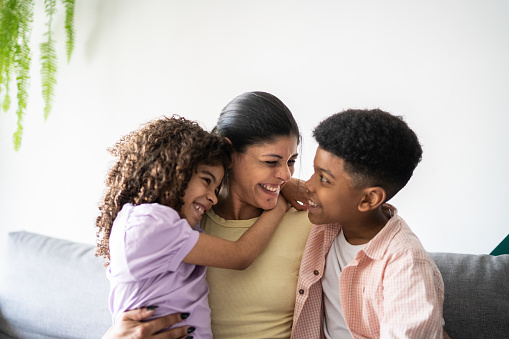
point(230, 142)
point(373, 197)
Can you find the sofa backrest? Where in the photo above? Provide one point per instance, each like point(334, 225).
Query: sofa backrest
point(52, 288)
point(476, 294)
point(56, 288)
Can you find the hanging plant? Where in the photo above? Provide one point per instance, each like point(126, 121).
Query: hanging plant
point(16, 18)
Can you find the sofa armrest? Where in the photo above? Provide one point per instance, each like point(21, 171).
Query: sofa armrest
point(476, 294)
point(52, 288)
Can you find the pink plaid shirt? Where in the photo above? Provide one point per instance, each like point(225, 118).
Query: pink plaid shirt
point(392, 289)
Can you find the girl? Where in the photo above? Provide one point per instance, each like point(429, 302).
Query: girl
point(166, 176)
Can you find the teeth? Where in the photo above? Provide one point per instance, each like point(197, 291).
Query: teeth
point(199, 209)
point(272, 189)
point(312, 204)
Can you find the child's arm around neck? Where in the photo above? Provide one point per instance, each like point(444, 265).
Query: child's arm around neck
point(216, 252)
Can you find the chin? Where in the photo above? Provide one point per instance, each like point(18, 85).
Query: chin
point(268, 205)
point(315, 219)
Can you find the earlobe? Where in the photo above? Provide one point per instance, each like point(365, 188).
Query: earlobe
point(372, 199)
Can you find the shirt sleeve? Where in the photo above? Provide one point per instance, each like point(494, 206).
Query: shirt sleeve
point(156, 240)
point(411, 300)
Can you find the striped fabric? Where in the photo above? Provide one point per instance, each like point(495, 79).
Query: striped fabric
point(392, 289)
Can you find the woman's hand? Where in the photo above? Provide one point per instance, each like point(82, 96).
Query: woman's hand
point(130, 326)
point(295, 193)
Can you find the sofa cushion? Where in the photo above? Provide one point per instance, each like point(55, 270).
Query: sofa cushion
point(476, 294)
point(52, 288)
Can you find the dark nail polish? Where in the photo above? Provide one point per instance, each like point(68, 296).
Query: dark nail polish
point(191, 329)
point(153, 307)
point(189, 337)
point(184, 315)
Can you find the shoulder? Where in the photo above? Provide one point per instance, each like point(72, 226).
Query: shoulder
point(296, 222)
point(405, 240)
point(152, 211)
point(300, 217)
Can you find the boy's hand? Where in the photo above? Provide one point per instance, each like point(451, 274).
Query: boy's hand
point(295, 193)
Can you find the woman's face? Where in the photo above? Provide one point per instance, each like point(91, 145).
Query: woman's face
point(259, 173)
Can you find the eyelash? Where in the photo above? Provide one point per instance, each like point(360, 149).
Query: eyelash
point(323, 180)
point(274, 163)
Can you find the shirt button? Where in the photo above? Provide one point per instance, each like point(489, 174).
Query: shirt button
point(316, 272)
point(301, 291)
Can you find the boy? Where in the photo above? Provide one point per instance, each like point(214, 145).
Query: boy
point(377, 279)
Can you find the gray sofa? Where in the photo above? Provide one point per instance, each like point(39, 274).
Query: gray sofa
point(53, 288)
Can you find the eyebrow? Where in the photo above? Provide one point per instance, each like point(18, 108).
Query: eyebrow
point(212, 175)
point(280, 157)
point(328, 172)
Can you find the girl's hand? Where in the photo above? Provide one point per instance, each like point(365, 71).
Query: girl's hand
point(130, 326)
point(282, 205)
point(295, 193)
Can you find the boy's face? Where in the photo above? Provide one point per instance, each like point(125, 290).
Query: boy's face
point(201, 192)
point(332, 196)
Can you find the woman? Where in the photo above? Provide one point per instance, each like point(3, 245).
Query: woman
point(259, 301)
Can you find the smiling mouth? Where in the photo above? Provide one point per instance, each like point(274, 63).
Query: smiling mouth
point(312, 203)
point(271, 188)
point(199, 208)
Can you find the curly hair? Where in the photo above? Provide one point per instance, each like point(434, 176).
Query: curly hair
point(154, 164)
point(379, 149)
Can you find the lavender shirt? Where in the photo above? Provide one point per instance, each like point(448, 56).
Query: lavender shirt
point(147, 245)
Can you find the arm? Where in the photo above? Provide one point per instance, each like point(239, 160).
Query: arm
point(216, 252)
point(411, 300)
point(295, 192)
point(130, 326)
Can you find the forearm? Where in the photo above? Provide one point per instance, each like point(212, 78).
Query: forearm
point(251, 244)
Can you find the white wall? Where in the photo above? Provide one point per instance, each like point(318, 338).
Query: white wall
point(444, 65)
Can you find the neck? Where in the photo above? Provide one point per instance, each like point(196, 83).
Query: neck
point(364, 228)
point(232, 207)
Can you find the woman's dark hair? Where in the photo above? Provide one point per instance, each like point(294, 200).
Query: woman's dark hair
point(379, 149)
point(254, 118)
point(154, 164)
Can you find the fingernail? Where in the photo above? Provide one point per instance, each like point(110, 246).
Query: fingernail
point(153, 307)
point(191, 329)
point(189, 337)
point(184, 315)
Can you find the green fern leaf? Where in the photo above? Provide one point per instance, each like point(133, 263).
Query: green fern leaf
point(69, 27)
point(18, 135)
point(22, 62)
point(9, 18)
point(48, 61)
point(6, 104)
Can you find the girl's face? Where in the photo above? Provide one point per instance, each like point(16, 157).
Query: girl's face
point(201, 192)
point(259, 173)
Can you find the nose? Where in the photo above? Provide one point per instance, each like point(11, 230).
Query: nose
point(285, 173)
point(309, 185)
point(212, 197)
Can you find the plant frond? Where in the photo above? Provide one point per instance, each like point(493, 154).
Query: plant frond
point(23, 58)
point(48, 73)
point(6, 104)
point(9, 24)
point(18, 135)
point(69, 27)
point(48, 61)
